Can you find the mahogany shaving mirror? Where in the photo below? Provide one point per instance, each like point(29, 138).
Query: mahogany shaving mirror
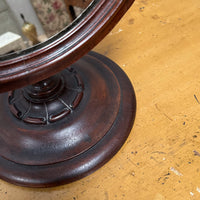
point(64, 112)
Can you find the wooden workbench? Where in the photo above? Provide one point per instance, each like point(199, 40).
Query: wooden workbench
point(157, 44)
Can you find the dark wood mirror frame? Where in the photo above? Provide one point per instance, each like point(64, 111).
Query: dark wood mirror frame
point(73, 113)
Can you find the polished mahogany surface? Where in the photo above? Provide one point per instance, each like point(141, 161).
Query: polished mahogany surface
point(80, 143)
point(48, 58)
point(73, 112)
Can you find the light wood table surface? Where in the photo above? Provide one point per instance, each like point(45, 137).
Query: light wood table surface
point(157, 44)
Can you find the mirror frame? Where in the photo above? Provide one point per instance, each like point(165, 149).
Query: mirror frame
point(48, 58)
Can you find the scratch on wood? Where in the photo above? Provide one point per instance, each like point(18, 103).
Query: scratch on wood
point(152, 158)
point(131, 161)
point(163, 113)
point(176, 171)
point(106, 195)
point(119, 30)
point(191, 193)
point(198, 189)
point(159, 152)
point(196, 99)
point(196, 153)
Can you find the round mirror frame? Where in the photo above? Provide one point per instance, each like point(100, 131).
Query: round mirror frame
point(48, 58)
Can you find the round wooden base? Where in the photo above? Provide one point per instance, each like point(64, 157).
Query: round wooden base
point(76, 143)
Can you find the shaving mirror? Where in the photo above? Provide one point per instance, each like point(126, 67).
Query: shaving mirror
point(64, 111)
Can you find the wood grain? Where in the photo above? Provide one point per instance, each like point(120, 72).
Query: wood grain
point(157, 43)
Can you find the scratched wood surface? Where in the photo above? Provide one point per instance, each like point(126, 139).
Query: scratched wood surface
point(157, 44)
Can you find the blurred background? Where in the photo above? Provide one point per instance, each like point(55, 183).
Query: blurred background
point(24, 23)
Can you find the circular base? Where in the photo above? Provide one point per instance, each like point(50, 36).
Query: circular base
point(103, 120)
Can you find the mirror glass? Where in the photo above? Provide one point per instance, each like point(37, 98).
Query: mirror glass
point(27, 23)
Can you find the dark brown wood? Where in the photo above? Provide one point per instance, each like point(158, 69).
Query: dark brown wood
point(49, 100)
point(71, 148)
point(76, 115)
point(71, 133)
point(47, 59)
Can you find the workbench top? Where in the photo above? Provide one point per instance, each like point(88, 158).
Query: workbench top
point(157, 44)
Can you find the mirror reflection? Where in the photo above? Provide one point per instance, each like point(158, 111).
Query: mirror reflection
point(24, 23)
